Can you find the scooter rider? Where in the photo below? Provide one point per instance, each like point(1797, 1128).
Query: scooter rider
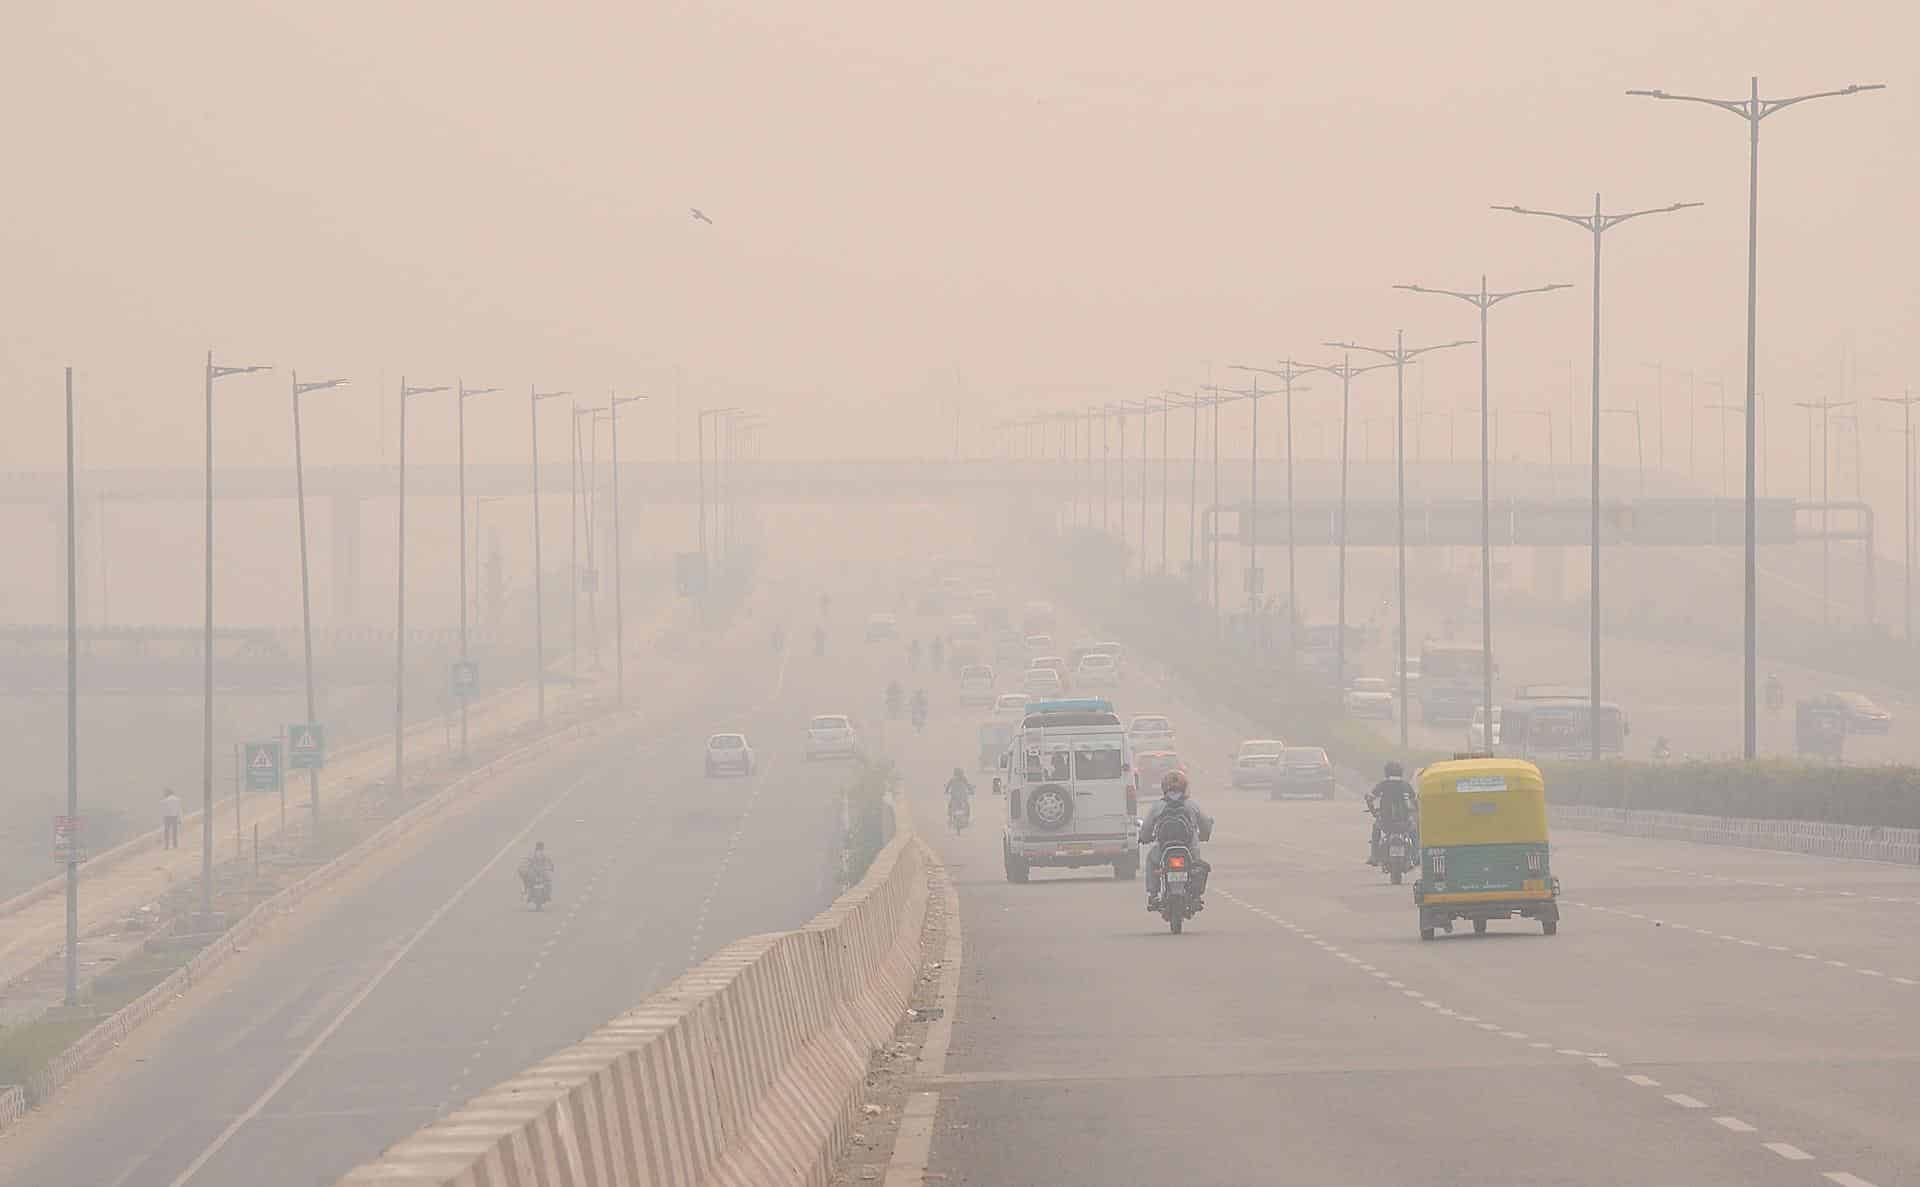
point(919, 707)
point(1391, 802)
point(959, 792)
point(538, 866)
point(1199, 826)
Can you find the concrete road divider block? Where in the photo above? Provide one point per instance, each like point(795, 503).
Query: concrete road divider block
point(744, 1072)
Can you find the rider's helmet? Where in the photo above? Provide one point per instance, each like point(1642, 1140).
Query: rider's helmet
point(1395, 771)
point(539, 846)
point(1174, 786)
point(957, 774)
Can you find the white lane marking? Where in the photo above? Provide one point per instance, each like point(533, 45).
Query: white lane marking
point(1487, 1025)
point(1602, 1062)
point(1539, 1044)
point(1906, 981)
point(1685, 1101)
point(311, 1049)
point(1513, 1034)
point(1839, 964)
point(1788, 1151)
point(1734, 1124)
point(1643, 1081)
point(1845, 1179)
point(1396, 984)
point(1870, 972)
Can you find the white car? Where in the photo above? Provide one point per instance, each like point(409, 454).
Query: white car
point(976, 685)
point(1150, 732)
point(1039, 644)
point(1477, 731)
point(729, 752)
point(1257, 764)
point(1096, 671)
point(1369, 696)
point(1010, 706)
point(1041, 682)
point(831, 735)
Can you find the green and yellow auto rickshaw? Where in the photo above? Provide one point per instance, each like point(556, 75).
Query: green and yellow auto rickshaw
point(1484, 853)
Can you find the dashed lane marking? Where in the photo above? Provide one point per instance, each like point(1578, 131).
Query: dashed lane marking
point(1788, 1151)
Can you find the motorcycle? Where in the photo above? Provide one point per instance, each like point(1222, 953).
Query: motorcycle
point(959, 814)
point(1183, 878)
point(537, 889)
point(1397, 853)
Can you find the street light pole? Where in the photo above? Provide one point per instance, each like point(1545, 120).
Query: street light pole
point(1825, 409)
point(460, 404)
point(1399, 356)
point(1906, 401)
point(1287, 374)
point(1753, 109)
point(1344, 371)
point(73, 726)
point(619, 585)
point(400, 602)
point(1598, 224)
point(534, 396)
point(213, 372)
point(306, 599)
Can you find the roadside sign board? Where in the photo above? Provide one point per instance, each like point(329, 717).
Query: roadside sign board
point(306, 745)
point(466, 678)
point(263, 766)
point(66, 839)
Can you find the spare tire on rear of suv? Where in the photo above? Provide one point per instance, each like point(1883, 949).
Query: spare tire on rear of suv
point(1049, 807)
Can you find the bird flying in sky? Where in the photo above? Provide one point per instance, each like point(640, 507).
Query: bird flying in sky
point(699, 214)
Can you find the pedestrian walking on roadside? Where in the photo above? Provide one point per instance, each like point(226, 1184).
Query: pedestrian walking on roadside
point(170, 817)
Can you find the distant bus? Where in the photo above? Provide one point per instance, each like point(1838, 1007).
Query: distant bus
point(1451, 676)
point(1557, 727)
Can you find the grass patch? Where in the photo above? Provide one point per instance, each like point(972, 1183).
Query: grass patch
point(26, 1049)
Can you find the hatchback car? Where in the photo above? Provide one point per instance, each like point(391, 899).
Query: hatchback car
point(1153, 766)
point(1150, 732)
point(1369, 696)
point(1041, 682)
point(976, 685)
point(1010, 706)
point(831, 735)
point(729, 752)
point(1304, 770)
point(1096, 671)
point(1257, 763)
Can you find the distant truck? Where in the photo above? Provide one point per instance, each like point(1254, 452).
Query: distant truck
point(1452, 676)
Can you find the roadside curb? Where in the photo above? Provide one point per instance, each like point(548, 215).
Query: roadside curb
point(90, 1047)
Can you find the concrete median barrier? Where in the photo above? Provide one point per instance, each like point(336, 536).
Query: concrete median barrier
point(1817, 838)
point(746, 1072)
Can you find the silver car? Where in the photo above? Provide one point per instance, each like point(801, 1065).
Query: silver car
point(729, 752)
point(831, 735)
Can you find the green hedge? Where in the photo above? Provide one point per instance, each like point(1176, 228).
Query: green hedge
point(1773, 789)
point(867, 830)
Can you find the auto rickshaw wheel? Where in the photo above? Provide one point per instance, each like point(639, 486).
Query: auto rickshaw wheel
point(1395, 876)
point(1479, 927)
point(1426, 933)
point(1550, 927)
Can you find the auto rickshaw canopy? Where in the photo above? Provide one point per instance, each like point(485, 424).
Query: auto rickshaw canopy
point(1482, 801)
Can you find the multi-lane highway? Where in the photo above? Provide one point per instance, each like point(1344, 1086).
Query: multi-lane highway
point(1706, 1015)
point(425, 980)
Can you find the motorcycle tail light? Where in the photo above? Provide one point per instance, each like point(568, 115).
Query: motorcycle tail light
point(1177, 862)
point(1533, 863)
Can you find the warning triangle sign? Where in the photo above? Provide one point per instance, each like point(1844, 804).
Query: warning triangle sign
point(303, 740)
point(263, 759)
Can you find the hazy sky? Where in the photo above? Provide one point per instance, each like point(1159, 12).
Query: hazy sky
point(1014, 204)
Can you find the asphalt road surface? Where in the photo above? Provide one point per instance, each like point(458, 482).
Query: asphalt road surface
point(425, 981)
point(1706, 1015)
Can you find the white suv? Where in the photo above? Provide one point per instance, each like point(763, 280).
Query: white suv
point(1150, 732)
point(729, 752)
point(976, 685)
point(831, 735)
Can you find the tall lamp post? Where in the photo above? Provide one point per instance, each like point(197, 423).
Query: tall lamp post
point(700, 428)
point(479, 550)
point(1598, 224)
point(619, 586)
point(1399, 355)
point(73, 722)
point(466, 393)
point(1906, 401)
point(534, 396)
point(1753, 109)
point(1483, 301)
point(1287, 374)
point(1825, 409)
point(400, 601)
point(306, 599)
point(213, 372)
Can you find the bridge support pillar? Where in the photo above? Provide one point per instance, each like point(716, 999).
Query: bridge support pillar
point(344, 525)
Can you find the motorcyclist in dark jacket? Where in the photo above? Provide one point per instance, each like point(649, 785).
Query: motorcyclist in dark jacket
point(537, 867)
point(1392, 804)
point(1173, 802)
